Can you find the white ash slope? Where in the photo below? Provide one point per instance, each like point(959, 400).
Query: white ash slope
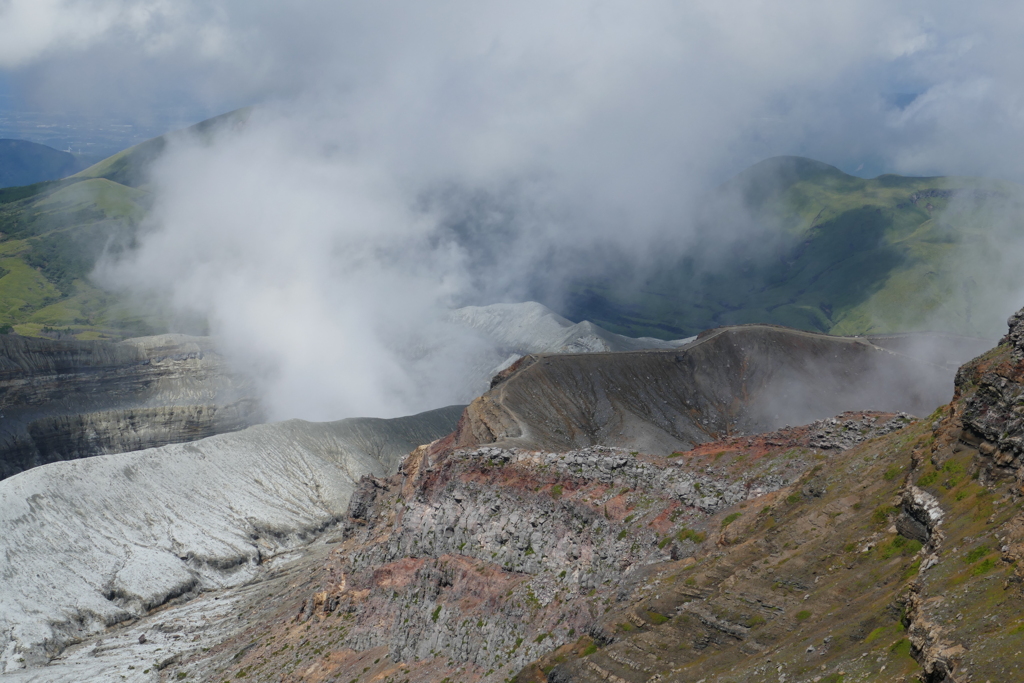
point(89, 543)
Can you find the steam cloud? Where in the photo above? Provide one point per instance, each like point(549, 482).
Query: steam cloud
point(410, 157)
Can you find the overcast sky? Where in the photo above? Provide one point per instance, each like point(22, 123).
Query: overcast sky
point(396, 142)
point(912, 87)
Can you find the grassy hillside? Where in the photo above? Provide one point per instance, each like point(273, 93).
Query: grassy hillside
point(52, 233)
point(49, 243)
point(820, 250)
point(804, 245)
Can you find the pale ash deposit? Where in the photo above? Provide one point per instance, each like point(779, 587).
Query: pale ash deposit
point(93, 542)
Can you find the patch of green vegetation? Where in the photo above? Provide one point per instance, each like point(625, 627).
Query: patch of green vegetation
point(953, 467)
point(622, 534)
point(803, 615)
point(892, 472)
point(912, 569)
point(687, 534)
point(901, 647)
point(882, 513)
point(731, 518)
point(899, 545)
point(541, 637)
point(656, 618)
point(556, 491)
point(436, 613)
point(927, 479)
point(882, 631)
point(976, 554)
point(755, 621)
point(794, 498)
point(986, 566)
point(589, 649)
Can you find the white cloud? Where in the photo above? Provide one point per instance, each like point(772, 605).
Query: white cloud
point(326, 231)
point(34, 29)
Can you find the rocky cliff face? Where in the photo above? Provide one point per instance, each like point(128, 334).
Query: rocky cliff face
point(471, 565)
point(865, 547)
point(61, 400)
point(730, 381)
point(992, 411)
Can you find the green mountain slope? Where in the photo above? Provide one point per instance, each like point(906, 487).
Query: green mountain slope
point(817, 249)
point(49, 243)
point(52, 233)
point(23, 163)
point(789, 241)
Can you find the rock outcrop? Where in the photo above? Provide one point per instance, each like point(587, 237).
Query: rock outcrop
point(599, 564)
point(488, 559)
point(861, 547)
point(993, 414)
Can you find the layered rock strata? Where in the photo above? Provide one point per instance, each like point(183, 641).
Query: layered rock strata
point(62, 400)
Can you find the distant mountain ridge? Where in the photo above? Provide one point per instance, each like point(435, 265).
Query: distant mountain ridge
point(789, 241)
point(24, 163)
point(53, 232)
point(796, 242)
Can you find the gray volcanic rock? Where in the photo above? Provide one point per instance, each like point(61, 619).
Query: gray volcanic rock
point(531, 327)
point(733, 380)
point(512, 331)
point(61, 400)
point(993, 416)
point(469, 564)
point(90, 543)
